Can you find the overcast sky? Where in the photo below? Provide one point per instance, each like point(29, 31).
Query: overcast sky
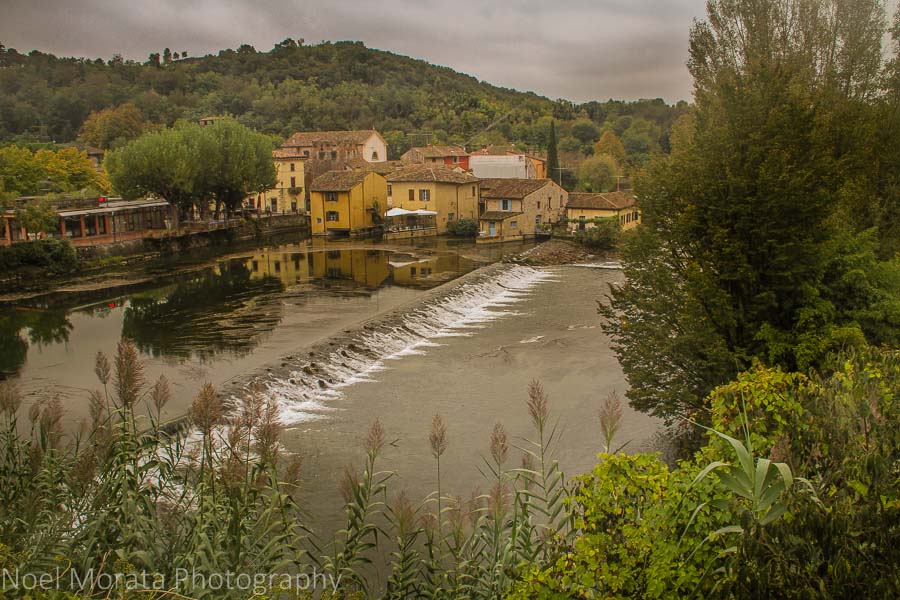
point(576, 49)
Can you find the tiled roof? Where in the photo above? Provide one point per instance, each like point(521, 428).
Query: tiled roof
point(495, 151)
point(285, 153)
point(497, 215)
point(440, 151)
point(601, 201)
point(313, 138)
point(511, 187)
point(382, 168)
point(337, 181)
point(435, 173)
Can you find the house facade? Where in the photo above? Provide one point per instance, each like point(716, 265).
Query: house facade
point(338, 146)
point(515, 209)
point(583, 208)
point(450, 192)
point(347, 202)
point(452, 156)
point(289, 193)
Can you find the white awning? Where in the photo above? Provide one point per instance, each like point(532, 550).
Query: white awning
point(398, 212)
point(425, 213)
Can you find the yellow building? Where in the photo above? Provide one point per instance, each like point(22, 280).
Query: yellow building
point(288, 193)
point(583, 208)
point(347, 202)
point(449, 191)
point(514, 209)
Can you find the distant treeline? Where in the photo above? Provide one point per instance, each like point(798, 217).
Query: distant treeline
point(326, 86)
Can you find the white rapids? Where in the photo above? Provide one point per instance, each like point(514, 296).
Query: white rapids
point(312, 386)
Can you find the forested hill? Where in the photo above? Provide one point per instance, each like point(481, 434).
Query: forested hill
point(341, 85)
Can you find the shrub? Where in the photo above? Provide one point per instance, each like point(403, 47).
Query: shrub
point(50, 256)
point(604, 235)
point(463, 228)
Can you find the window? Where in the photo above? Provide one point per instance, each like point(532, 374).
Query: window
point(374, 155)
point(321, 155)
point(294, 182)
point(455, 159)
point(389, 190)
point(333, 154)
point(412, 194)
point(539, 205)
point(331, 196)
point(426, 271)
point(306, 153)
point(424, 195)
point(255, 266)
point(292, 167)
point(333, 254)
point(451, 216)
point(332, 215)
point(473, 190)
point(278, 266)
point(513, 224)
point(506, 205)
point(319, 220)
point(537, 220)
point(412, 271)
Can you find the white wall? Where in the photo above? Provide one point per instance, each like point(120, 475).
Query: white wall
point(509, 166)
point(374, 144)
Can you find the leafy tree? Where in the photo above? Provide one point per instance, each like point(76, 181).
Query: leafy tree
point(239, 163)
point(585, 131)
point(39, 217)
point(611, 145)
point(112, 126)
point(598, 174)
point(740, 256)
point(65, 170)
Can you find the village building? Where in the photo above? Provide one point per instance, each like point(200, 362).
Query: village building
point(92, 222)
point(454, 156)
point(347, 202)
point(515, 209)
point(583, 208)
point(506, 162)
point(288, 195)
point(450, 193)
point(323, 151)
point(338, 146)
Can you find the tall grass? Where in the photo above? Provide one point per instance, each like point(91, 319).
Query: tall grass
point(133, 493)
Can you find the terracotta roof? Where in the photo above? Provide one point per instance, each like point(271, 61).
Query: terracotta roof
point(285, 153)
point(511, 187)
point(312, 138)
point(435, 173)
point(440, 151)
point(601, 201)
point(497, 215)
point(337, 181)
point(382, 168)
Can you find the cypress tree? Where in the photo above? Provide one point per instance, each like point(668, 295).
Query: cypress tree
point(553, 156)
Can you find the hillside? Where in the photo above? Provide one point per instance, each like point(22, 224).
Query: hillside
point(44, 98)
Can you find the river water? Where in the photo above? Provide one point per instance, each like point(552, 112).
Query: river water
point(345, 333)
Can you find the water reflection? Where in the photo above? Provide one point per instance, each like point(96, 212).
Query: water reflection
point(22, 327)
point(227, 307)
point(217, 310)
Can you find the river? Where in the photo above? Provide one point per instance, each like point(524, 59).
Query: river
point(342, 334)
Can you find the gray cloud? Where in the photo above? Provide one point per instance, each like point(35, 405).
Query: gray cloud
point(575, 49)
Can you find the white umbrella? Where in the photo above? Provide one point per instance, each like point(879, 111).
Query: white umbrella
point(398, 212)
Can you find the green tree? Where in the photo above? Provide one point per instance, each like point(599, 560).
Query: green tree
point(239, 163)
point(162, 163)
point(741, 256)
point(598, 174)
point(39, 217)
point(611, 145)
point(112, 125)
point(553, 171)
